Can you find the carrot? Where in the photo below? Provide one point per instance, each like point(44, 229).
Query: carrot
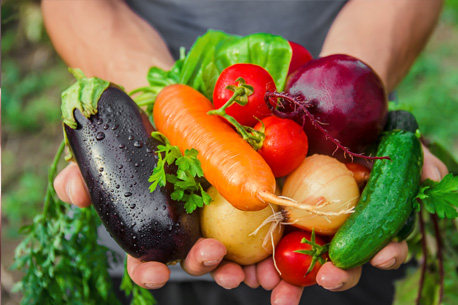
point(229, 163)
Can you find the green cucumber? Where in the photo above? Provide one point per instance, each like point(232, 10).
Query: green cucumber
point(384, 205)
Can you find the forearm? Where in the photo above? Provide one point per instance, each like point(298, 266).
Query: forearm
point(386, 34)
point(105, 39)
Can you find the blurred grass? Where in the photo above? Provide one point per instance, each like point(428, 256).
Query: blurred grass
point(430, 90)
point(32, 79)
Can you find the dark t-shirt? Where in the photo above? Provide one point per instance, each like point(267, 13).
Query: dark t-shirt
point(180, 22)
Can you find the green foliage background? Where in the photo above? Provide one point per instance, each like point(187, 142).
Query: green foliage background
point(33, 77)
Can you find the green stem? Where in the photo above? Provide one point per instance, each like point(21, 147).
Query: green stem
point(142, 89)
point(144, 100)
point(254, 137)
point(51, 175)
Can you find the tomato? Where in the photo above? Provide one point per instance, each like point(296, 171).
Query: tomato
point(299, 57)
point(360, 172)
point(300, 268)
point(254, 76)
point(285, 144)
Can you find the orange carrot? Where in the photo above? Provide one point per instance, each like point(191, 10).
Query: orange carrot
point(229, 163)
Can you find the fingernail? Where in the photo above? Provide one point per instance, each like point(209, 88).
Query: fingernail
point(338, 286)
point(437, 175)
point(388, 264)
point(153, 285)
point(211, 263)
point(68, 191)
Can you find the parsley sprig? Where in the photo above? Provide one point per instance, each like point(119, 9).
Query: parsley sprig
point(440, 197)
point(186, 185)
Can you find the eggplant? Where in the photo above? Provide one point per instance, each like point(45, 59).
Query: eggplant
point(116, 154)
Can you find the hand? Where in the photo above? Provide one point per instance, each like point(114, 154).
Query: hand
point(229, 275)
point(204, 256)
point(329, 277)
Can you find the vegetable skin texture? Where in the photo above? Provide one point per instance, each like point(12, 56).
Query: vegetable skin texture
point(229, 163)
point(236, 229)
point(385, 203)
point(320, 179)
point(115, 153)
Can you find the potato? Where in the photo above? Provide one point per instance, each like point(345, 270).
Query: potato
point(234, 228)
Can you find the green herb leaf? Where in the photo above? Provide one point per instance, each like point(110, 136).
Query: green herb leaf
point(186, 187)
point(440, 198)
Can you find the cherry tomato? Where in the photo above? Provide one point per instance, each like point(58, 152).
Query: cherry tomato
point(255, 76)
point(285, 145)
point(295, 267)
point(299, 57)
point(360, 172)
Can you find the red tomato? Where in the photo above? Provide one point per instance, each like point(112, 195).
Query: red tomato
point(360, 172)
point(255, 76)
point(293, 265)
point(285, 145)
point(299, 57)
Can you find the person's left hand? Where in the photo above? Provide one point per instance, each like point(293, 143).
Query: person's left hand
point(229, 275)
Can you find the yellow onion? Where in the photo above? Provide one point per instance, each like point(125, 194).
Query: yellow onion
point(325, 183)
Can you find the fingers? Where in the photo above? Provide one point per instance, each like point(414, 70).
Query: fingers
point(268, 276)
point(433, 168)
point(251, 279)
point(391, 257)
point(204, 256)
point(70, 187)
point(286, 294)
point(334, 279)
point(149, 275)
point(228, 275)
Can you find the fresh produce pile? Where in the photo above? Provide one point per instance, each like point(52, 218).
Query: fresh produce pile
point(294, 157)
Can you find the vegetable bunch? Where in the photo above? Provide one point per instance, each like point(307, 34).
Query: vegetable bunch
point(260, 136)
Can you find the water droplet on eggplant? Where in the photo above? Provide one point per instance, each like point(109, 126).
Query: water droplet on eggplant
point(100, 136)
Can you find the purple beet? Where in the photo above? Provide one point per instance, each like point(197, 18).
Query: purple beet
point(340, 101)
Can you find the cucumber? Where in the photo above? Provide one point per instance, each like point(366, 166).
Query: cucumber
point(385, 203)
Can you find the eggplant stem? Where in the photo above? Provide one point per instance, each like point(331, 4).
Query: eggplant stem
point(313, 121)
point(272, 198)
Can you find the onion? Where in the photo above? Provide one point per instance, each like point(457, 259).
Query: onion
point(324, 182)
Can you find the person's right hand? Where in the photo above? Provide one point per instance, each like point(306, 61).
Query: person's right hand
point(204, 256)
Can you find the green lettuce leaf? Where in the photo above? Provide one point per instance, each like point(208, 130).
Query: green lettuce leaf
point(216, 50)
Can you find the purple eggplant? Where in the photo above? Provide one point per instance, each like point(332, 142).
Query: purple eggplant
point(116, 155)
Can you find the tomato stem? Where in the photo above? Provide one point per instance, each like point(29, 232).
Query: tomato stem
point(316, 252)
point(241, 92)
